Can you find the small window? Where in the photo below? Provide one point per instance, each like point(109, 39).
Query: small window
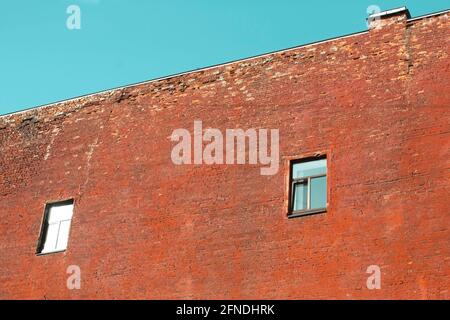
point(308, 187)
point(56, 226)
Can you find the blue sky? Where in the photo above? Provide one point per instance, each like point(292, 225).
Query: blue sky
point(127, 41)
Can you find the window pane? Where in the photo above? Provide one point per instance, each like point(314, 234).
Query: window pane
point(300, 196)
point(318, 193)
point(60, 212)
point(63, 236)
point(310, 168)
point(50, 239)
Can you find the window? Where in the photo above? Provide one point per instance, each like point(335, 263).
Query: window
point(308, 187)
point(56, 226)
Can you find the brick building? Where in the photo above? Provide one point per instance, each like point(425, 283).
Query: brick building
point(374, 106)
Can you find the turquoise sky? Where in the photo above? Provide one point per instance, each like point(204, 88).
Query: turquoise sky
point(127, 41)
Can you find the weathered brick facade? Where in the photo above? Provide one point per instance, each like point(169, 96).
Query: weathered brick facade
point(376, 103)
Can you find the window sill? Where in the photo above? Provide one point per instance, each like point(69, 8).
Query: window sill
point(296, 214)
point(50, 252)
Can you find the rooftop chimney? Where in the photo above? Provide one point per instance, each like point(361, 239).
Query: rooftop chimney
point(378, 20)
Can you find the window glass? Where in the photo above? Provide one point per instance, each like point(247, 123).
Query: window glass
point(63, 236)
point(318, 192)
point(60, 212)
point(51, 237)
point(300, 196)
point(310, 168)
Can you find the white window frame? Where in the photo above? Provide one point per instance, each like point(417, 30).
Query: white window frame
point(59, 221)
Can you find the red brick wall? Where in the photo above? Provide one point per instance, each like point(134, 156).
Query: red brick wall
point(376, 103)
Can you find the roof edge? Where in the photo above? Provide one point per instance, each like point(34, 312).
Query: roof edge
point(428, 15)
point(183, 73)
point(110, 90)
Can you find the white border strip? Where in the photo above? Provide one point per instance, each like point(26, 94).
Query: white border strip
point(388, 12)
